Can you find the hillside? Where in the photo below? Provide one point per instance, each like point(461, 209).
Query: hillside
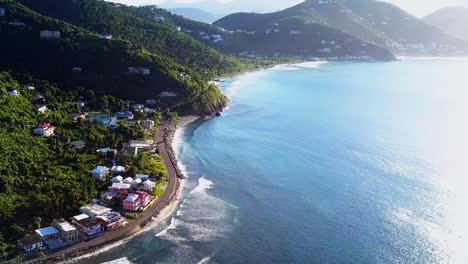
point(370, 20)
point(196, 14)
point(103, 62)
point(453, 20)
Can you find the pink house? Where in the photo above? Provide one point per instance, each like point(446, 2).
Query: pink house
point(145, 198)
point(132, 203)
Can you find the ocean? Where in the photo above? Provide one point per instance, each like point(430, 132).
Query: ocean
point(323, 163)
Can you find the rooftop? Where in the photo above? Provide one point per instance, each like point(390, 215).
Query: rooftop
point(65, 226)
point(121, 186)
point(132, 198)
point(30, 240)
point(95, 209)
point(47, 231)
point(80, 217)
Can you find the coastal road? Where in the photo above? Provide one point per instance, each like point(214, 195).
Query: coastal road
point(136, 225)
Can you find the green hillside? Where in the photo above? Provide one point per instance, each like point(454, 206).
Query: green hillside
point(370, 20)
point(104, 62)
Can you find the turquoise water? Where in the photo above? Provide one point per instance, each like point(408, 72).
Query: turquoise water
point(324, 163)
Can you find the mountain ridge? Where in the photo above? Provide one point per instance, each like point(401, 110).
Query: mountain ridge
point(452, 20)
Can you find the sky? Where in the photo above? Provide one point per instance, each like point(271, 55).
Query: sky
point(418, 8)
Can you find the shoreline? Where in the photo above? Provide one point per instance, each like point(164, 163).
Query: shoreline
point(159, 212)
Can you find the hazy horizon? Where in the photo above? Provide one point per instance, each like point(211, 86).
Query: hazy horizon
point(414, 7)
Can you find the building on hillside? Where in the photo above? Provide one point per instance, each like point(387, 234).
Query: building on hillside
point(132, 202)
point(128, 180)
point(69, 232)
point(110, 221)
point(148, 124)
point(44, 130)
point(120, 188)
point(136, 183)
point(13, 93)
point(105, 36)
point(149, 110)
point(49, 35)
point(142, 177)
point(100, 173)
point(159, 19)
point(127, 115)
point(29, 87)
point(40, 108)
point(17, 24)
point(93, 210)
point(76, 116)
point(106, 120)
point(117, 179)
point(138, 107)
point(116, 170)
point(105, 151)
point(139, 71)
point(132, 123)
point(88, 227)
point(2, 11)
point(77, 69)
point(78, 144)
point(168, 94)
point(148, 185)
point(47, 233)
point(144, 146)
point(30, 243)
point(151, 102)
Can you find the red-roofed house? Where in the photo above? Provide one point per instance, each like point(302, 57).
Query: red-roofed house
point(45, 130)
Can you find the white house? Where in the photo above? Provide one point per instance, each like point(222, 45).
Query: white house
point(100, 173)
point(45, 130)
point(117, 179)
point(148, 185)
point(40, 108)
point(148, 124)
point(118, 170)
point(128, 180)
point(13, 93)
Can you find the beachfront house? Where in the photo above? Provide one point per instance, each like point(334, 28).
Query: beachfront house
point(47, 233)
point(132, 202)
point(145, 198)
point(100, 173)
point(68, 231)
point(44, 130)
point(127, 115)
point(93, 210)
point(88, 227)
point(30, 243)
point(148, 185)
point(148, 124)
point(41, 109)
point(49, 35)
point(110, 221)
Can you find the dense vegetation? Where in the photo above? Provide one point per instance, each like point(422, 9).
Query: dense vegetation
point(370, 20)
point(43, 178)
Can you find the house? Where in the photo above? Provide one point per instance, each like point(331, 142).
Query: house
point(79, 144)
point(168, 94)
point(159, 19)
point(120, 188)
point(145, 198)
point(178, 29)
point(17, 24)
point(13, 93)
point(105, 151)
point(145, 146)
point(148, 185)
point(76, 116)
point(93, 210)
point(100, 173)
point(142, 177)
point(127, 115)
point(106, 120)
point(69, 232)
point(2, 11)
point(136, 183)
point(139, 70)
point(79, 217)
point(40, 108)
point(30, 243)
point(149, 110)
point(128, 180)
point(105, 36)
point(49, 35)
point(132, 202)
point(117, 179)
point(148, 124)
point(39, 97)
point(29, 87)
point(77, 69)
point(110, 221)
point(138, 107)
point(116, 170)
point(80, 104)
point(132, 123)
point(47, 233)
point(88, 227)
point(45, 130)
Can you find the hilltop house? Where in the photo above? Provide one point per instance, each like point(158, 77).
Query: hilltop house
point(47, 233)
point(49, 35)
point(69, 232)
point(13, 93)
point(2, 11)
point(45, 130)
point(100, 173)
point(93, 210)
point(40, 108)
point(148, 124)
point(30, 243)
